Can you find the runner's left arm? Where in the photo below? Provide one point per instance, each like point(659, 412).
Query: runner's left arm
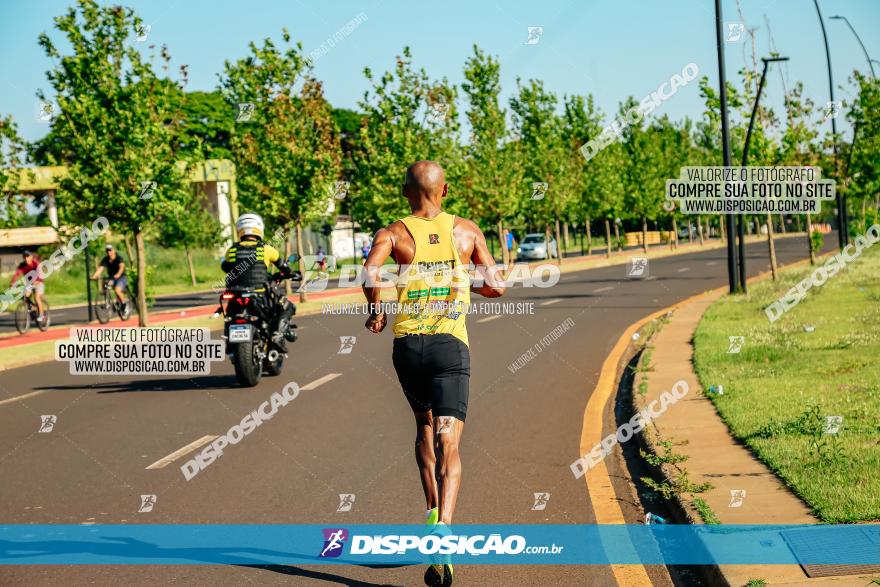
point(493, 283)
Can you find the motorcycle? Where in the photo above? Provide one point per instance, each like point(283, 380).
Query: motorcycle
point(249, 317)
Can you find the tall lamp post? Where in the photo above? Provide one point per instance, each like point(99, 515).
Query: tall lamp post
point(725, 143)
point(843, 230)
point(745, 159)
point(858, 38)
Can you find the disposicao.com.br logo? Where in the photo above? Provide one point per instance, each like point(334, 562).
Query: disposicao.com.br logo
point(431, 544)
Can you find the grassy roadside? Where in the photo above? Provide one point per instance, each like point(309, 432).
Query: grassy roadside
point(787, 379)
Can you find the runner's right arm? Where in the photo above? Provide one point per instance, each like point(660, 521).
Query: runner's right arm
point(379, 253)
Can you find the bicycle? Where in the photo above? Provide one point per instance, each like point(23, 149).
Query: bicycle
point(109, 303)
point(27, 312)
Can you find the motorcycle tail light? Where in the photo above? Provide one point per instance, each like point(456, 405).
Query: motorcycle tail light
point(243, 301)
point(224, 300)
point(240, 321)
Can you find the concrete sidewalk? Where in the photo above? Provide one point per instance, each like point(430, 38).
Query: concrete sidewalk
point(715, 457)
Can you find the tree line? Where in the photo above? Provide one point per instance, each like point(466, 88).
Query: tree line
point(125, 118)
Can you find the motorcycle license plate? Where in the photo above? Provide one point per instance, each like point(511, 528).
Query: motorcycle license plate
point(239, 333)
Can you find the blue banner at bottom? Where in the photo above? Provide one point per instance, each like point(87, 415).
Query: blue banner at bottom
point(359, 544)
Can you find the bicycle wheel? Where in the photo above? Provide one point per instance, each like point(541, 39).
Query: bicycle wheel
point(103, 309)
point(22, 317)
point(44, 325)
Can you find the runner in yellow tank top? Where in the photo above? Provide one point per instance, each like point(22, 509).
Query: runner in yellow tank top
point(431, 354)
point(433, 293)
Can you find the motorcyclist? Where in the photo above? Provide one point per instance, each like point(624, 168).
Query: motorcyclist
point(247, 264)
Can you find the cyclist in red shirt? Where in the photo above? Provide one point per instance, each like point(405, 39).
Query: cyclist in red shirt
point(31, 262)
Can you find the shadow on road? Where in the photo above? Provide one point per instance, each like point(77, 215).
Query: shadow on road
point(126, 547)
point(182, 384)
point(323, 576)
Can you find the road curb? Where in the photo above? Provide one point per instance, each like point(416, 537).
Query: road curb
point(598, 481)
point(783, 506)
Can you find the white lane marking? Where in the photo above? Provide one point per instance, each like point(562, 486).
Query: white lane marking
point(486, 319)
point(548, 302)
point(20, 397)
point(165, 461)
point(601, 289)
point(650, 278)
point(321, 381)
point(711, 262)
point(683, 269)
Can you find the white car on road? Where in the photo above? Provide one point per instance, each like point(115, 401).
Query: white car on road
point(533, 246)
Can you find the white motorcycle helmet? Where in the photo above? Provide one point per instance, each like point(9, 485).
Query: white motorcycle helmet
point(249, 224)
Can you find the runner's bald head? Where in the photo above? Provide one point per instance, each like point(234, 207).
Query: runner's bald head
point(424, 180)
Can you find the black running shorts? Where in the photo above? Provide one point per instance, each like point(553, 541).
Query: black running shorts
point(434, 371)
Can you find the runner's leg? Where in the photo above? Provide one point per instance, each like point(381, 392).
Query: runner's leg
point(447, 435)
point(425, 457)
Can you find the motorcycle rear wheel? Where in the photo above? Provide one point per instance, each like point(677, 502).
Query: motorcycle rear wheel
point(248, 368)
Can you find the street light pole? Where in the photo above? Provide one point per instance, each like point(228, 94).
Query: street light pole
point(843, 231)
point(745, 159)
point(725, 143)
point(858, 38)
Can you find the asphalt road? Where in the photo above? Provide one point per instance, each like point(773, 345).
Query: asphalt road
point(165, 303)
point(351, 434)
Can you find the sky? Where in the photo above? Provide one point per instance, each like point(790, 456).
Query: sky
point(608, 48)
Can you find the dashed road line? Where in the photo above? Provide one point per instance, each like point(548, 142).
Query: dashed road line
point(21, 397)
point(165, 461)
point(683, 269)
point(548, 302)
point(487, 318)
point(601, 289)
point(320, 381)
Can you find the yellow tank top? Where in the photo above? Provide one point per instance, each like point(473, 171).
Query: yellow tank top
point(433, 292)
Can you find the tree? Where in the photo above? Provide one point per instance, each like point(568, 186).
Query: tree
point(709, 129)
point(863, 173)
point(116, 130)
point(407, 117)
point(189, 227)
point(287, 153)
point(13, 155)
point(582, 122)
point(491, 161)
point(604, 177)
point(797, 146)
point(548, 158)
point(643, 190)
point(207, 123)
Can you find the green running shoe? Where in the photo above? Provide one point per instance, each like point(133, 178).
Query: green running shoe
point(432, 516)
point(439, 574)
